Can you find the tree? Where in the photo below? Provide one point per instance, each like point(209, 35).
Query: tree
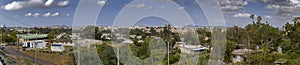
point(230, 46)
point(51, 35)
point(262, 34)
point(107, 55)
point(252, 16)
point(267, 37)
point(293, 33)
point(13, 37)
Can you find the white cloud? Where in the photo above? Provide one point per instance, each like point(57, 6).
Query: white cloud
point(284, 9)
point(279, 7)
point(268, 17)
point(265, 1)
point(47, 14)
point(48, 2)
point(17, 5)
point(162, 7)
point(232, 5)
point(242, 15)
point(36, 14)
point(129, 6)
point(101, 2)
point(14, 5)
point(55, 14)
point(67, 14)
point(16, 16)
point(140, 5)
point(34, 3)
point(181, 8)
point(296, 2)
point(28, 14)
point(64, 3)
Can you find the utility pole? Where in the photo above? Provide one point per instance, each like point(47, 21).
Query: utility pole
point(35, 48)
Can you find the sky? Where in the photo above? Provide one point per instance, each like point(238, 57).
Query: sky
point(63, 12)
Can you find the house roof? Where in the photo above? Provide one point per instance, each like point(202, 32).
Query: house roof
point(242, 51)
point(33, 36)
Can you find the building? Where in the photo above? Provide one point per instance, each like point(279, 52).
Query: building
point(28, 45)
point(40, 44)
point(128, 41)
point(192, 49)
point(240, 55)
point(35, 44)
point(57, 47)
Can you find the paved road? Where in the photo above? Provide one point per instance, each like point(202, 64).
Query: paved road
point(10, 50)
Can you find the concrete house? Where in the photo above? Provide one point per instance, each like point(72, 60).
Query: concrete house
point(57, 47)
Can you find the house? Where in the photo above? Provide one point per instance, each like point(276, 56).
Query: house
point(140, 41)
point(57, 47)
point(281, 61)
point(35, 44)
point(40, 44)
point(192, 49)
point(240, 55)
point(28, 45)
point(128, 41)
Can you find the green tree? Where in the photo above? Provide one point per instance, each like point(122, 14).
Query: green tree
point(230, 46)
point(51, 35)
point(107, 55)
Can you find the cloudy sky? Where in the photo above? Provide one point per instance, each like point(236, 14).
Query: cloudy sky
point(61, 12)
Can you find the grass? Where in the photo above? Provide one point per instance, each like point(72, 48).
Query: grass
point(58, 58)
point(55, 58)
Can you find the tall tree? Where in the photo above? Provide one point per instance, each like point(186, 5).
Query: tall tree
point(51, 35)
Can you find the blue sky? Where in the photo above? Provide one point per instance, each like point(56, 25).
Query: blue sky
point(61, 12)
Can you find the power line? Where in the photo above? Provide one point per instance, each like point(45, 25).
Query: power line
point(15, 20)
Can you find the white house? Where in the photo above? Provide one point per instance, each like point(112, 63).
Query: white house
point(28, 45)
point(40, 44)
point(192, 49)
point(128, 41)
point(240, 55)
point(57, 47)
point(36, 44)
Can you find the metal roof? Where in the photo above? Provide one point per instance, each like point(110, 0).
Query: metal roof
point(33, 36)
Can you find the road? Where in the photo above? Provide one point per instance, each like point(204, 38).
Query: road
point(10, 50)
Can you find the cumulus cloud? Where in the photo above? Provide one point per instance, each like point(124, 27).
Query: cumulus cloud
point(36, 14)
point(48, 2)
point(67, 14)
point(181, 8)
point(47, 14)
point(14, 5)
point(101, 2)
point(64, 3)
point(296, 2)
point(279, 7)
point(17, 5)
point(140, 5)
point(28, 14)
point(284, 8)
point(268, 17)
point(242, 15)
point(55, 14)
point(232, 5)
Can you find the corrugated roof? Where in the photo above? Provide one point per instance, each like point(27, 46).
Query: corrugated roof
point(34, 36)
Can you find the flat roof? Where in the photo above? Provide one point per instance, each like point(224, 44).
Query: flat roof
point(33, 36)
